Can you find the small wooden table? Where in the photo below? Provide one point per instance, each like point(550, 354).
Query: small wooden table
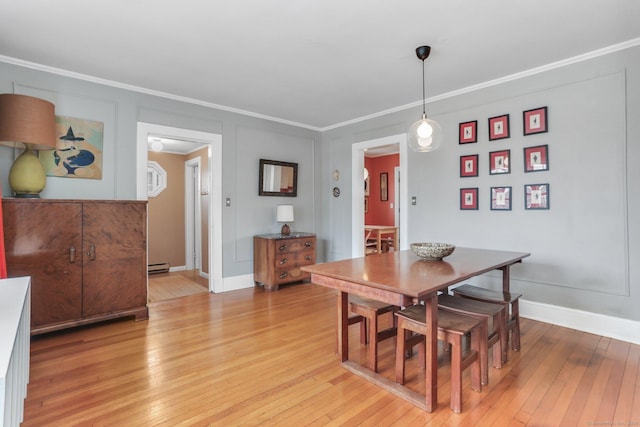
point(401, 278)
point(379, 231)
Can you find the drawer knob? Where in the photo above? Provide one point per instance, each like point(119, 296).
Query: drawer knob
point(283, 247)
point(283, 261)
point(283, 275)
point(308, 257)
point(307, 244)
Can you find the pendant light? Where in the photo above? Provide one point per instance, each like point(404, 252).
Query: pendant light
point(424, 135)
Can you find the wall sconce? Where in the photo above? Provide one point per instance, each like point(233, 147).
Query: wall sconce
point(425, 134)
point(29, 122)
point(284, 213)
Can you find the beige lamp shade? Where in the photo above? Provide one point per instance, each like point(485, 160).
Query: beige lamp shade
point(27, 122)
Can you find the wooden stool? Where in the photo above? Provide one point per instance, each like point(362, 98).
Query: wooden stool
point(371, 310)
point(484, 311)
point(508, 299)
point(451, 328)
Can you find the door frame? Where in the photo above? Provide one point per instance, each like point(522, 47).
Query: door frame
point(192, 215)
point(357, 190)
point(214, 141)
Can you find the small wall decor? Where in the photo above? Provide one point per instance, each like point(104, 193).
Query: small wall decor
point(469, 165)
point(277, 178)
point(78, 152)
point(536, 196)
point(384, 189)
point(536, 158)
point(366, 205)
point(499, 127)
point(469, 199)
point(366, 186)
point(535, 121)
point(468, 132)
point(500, 198)
point(499, 162)
point(336, 192)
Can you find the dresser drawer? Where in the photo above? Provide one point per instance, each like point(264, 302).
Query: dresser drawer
point(285, 246)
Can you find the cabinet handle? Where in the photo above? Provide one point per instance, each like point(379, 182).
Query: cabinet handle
point(72, 255)
point(307, 244)
point(308, 257)
point(283, 247)
point(283, 275)
point(283, 261)
point(92, 253)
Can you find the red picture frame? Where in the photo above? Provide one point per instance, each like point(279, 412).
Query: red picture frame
point(469, 166)
point(536, 196)
point(500, 198)
point(536, 159)
point(535, 121)
point(499, 162)
point(469, 199)
point(499, 127)
point(468, 132)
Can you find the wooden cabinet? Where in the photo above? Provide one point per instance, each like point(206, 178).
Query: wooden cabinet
point(277, 258)
point(87, 259)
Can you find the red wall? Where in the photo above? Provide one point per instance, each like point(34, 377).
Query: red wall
point(381, 213)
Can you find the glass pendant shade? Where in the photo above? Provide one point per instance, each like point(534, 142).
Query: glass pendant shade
point(425, 135)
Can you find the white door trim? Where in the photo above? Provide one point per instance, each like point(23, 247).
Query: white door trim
point(193, 219)
point(357, 188)
point(215, 185)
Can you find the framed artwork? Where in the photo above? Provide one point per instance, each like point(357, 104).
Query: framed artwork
point(469, 199)
point(536, 196)
point(366, 186)
point(366, 205)
point(536, 158)
point(384, 191)
point(500, 198)
point(535, 121)
point(499, 162)
point(499, 127)
point(469, 165)
point(468, 132)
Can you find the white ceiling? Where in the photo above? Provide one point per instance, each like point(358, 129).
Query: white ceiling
point(317, 64)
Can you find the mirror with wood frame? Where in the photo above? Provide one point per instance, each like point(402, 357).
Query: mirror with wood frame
point(278, 178)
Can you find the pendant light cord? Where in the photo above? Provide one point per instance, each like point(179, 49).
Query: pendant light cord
point(424, 110)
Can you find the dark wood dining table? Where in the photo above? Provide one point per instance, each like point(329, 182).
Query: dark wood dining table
point(402, 278)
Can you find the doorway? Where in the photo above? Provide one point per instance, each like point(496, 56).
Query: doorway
point(357, 207)
point(213, 187)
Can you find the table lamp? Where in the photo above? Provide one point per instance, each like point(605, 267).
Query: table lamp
point(29, 122)
point(284, 213)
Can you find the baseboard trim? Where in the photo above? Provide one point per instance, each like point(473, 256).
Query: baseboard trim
point(178, 268)
point(594, 323)
point(236, 283)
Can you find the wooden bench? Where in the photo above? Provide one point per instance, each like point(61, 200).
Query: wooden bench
point(508, 299)
point(496, 337)
point(452, 327)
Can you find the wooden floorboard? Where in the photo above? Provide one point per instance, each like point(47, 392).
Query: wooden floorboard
point(253, 358)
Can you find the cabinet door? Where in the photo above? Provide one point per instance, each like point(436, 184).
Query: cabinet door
point(114, 257)
point(43, 240)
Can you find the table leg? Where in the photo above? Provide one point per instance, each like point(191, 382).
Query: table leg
point(379, 242)
point(431, 355)
point(505, 278)
point(343, 326)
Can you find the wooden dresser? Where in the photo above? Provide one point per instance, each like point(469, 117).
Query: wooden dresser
point(87, 259)
point(277, 258)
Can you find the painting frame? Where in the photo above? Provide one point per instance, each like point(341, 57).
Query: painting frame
point(469, 165)
point(468, 132)
point(536, 196)
point(384, 187)
point(501, 198)
point(535, 121)
point(499, 127)
point(499, 162)
point(536, 159)
point(469, 199)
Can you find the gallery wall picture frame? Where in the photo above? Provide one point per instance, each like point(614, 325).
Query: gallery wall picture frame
point(500, 198)
point(535, 121)
point(366, 205)
point(469, 199)
point(536, 159)
point(469, 165)
point(384, 188)
point(499, 127)
point(468, 132)
point(499, 162)
point(536, 196)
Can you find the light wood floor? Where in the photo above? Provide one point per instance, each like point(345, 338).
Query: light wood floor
point(164, 286)
point(254, 358)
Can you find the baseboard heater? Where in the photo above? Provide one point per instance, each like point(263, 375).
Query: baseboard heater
point(162, 267)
